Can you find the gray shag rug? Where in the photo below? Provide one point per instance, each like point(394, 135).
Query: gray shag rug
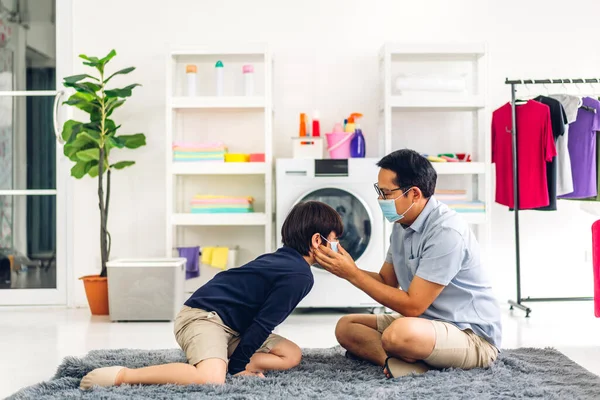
point(327, 374)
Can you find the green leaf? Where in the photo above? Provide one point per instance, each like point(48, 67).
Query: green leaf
point(122, 164)
point(116, 142)
point(124, 92)
point(92, 86)
point(69, 151)
point(93, 172)
point(96, 115)
point(70, 129)
point(114, 105)
point(92, 59)
point(88, 155)
point(108, 57)
point(109, 126)
point(93, 126)
point(124, 71)
point(83, 101)
point(80, 169)
point(133, 141)
point(92, 135)
point(80, 87)
point(77, 78)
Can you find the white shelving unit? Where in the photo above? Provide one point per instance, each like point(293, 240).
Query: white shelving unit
point(469, 61)
point(217, 102)
point(185, 121)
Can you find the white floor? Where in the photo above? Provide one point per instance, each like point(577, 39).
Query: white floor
point(35, 340)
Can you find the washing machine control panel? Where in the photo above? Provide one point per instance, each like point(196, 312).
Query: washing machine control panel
point(331, 167)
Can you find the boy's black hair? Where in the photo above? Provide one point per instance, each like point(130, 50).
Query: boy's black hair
point(412, 170)
point(306, 219)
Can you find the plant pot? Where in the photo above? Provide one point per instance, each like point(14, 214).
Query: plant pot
point(96, 290)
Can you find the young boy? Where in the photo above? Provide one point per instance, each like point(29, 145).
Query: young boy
point(226, 325)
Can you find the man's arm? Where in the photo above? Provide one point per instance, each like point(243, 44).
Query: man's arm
point(410, 303)
point(386, 275)
point(279, 304)
point(440, 262)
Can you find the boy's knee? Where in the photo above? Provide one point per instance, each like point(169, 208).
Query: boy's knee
point(205, 376)
point(295, 356)
point(290, 354)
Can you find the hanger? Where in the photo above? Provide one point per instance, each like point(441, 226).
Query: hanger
point(562, 85)
point(524, 100)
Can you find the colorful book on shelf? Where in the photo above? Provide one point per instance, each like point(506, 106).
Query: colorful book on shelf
point(466, 206)
point(210, 204)
point(184, 151)
point(444, 195)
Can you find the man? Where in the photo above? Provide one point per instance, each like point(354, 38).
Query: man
point(432, 277)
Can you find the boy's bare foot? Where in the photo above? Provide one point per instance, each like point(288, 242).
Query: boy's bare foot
point(108, 376)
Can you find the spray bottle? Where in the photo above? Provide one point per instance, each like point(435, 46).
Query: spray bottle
point(357, 145)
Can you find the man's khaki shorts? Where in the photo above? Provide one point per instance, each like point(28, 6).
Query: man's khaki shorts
point(203, 335)
point(453, 348)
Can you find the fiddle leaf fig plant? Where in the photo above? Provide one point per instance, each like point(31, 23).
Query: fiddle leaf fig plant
point(89, 143)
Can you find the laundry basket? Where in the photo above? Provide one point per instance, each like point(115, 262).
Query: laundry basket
point(145, 289)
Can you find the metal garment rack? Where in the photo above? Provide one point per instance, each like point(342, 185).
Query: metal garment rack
point(515, 151)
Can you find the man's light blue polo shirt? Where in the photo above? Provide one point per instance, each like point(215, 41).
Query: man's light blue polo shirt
point(441, 248)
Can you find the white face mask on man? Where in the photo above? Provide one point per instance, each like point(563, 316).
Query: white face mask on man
point(388, 207)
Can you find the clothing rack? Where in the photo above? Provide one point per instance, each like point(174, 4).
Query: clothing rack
point(515, 151)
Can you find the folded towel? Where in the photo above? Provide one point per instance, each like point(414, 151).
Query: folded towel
point(199, 145)
point(199, 156)
point(222, 211)
point(208, 196)
point(220, 206)
point(221, 201)
point(178, 152)
point(200, 160)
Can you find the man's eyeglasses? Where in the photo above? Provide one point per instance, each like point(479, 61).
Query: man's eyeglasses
point(384, 193)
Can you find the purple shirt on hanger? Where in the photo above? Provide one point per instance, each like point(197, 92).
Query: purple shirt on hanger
point(582, 150)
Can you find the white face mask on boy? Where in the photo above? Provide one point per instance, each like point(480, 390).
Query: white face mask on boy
point(334, 245)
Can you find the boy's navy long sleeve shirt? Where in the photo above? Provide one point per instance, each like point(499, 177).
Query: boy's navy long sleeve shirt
point(256, 297)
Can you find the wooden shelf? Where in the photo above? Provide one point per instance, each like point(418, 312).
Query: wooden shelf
point(217, 168)
point(233, 102)
point(234, 219)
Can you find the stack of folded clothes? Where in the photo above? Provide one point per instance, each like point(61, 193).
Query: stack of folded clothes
point(204, 204)
point(199, 151)
point(457, 200)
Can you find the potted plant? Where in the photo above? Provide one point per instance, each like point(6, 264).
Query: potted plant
point(89, 145)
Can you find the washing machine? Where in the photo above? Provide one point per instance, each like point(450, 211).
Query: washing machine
point(347, 186)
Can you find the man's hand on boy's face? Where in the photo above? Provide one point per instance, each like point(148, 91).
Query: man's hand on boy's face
point(340, 264)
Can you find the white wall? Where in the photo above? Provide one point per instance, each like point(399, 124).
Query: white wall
point(326, 58)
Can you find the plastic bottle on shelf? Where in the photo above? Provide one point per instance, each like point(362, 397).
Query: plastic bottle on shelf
point(219, 77)
point(302, 130)
point(316, 125)
point(248, 71)
point(190, 74)
point(357, 145)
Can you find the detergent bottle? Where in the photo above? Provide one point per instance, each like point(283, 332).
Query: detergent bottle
point(357, 145)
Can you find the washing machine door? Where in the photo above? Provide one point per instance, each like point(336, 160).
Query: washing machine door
point(355, 216)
